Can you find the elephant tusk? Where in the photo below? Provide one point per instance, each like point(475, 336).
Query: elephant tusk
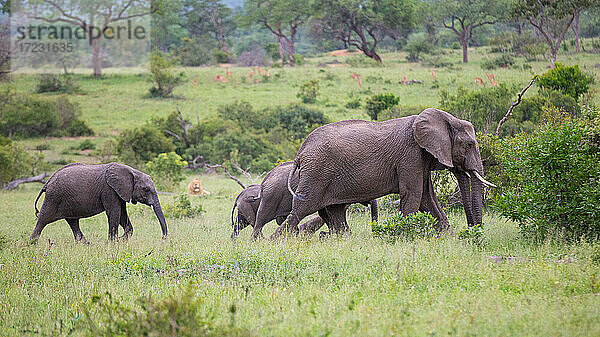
point(467, 173)
point(485, 182)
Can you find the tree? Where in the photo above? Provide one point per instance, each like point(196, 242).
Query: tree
point(550, 18)
point(209, 17)
point(94, 17)
point(6, 48)
point(280, 17)
point(463, 17)
point(363, 23)
point(167, 24)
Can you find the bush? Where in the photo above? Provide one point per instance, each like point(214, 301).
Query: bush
point(57, 83)
point(362, 61)
point(299, 59)
point(32, 115)
point(15, 162)
point(85, 145)
point(195, 52)
point(309, 91)
point(78, 128)
point(297, 119)
point(501, 61)
point(569, 80)
point(377, 103)
point(182, 313)
point(220, 56)
point(166, 170)
point(182, 208)
point(418, 44)
point(410, 227)
point(399, 111)
point(354, 103)
point(255, 57)
point(140, 145)
point(164, 79)
point(483, 107)
point(552, 188)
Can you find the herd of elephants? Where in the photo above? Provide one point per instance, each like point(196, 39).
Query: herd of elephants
point(338, 164)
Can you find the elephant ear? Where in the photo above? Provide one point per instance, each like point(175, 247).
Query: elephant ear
point(120, 179)
point(431, 130)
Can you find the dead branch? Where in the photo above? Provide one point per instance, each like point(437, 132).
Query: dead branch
point(227, 173)
point(515, 103)
point(40, 178)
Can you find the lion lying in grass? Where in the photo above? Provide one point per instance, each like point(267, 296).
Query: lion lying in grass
point(195, 188)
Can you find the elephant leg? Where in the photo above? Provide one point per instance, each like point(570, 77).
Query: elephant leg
point(264, 214)
point(74, 224)
point(429, 203)
point(47, 215)
point(338, 219)
point(125, 223)
point(290, 225)
point(114, 218)
point(311, 226)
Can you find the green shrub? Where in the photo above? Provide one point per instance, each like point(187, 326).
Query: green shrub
point(166, 170)
point(195, 52)
point(309, 91)
point(474, 234)
point(182, 208)
point(273, 51)
point(380, 102)
point(399, 111)
point(354, 103)
point(165, 80)
point(410, 227)
point(569, 80)
point(362, 61)
point(299, 59)
point(418, 44)
point(15, 162)
point(501, 61)
point(85, 145)
point(220, 56)
point(181, 313)
point(437, 61)
point(57, 83)
point(140, 145)
point(32, 115)
point(297, 119)
point(483, 107)
point(552, 185)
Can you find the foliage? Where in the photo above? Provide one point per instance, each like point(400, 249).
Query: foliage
point(85, 145)
point(193, 52)
point(182, 208)
point(220, 56)
point(62, 83)
point(140, 145)
point(309, 91)
point(406, 227)
point(502, 61)
point(181, 313)
point(32, 115)
point(380, 102)
point(552, 188)
point(361, 61)
point(354, 103)
point(483, 107)
point(166, 170)
point(474, 234)
point(569, 80)
point(299, 120)
point(418, 44)
point(15, 162)
point(399, 111)
point(165, 81)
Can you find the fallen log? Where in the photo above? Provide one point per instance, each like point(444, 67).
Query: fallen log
point(40, 178)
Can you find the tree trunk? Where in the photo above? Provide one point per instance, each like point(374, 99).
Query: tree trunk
point(553, 52)
point(291, 48)
point(372, 54)
point(281, 51)
point(465, 44)
point(576, 31)
point(96, 57)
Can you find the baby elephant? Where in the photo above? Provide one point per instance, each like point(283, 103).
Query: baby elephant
point(79, 191)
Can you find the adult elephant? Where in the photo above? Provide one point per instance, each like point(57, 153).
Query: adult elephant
point(272, 200)
point(356, 161)
point(79, 191)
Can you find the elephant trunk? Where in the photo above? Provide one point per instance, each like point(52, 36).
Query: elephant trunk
point(477, 199)
point(464, 183)
point(161, 217)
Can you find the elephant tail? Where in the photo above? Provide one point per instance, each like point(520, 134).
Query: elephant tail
point(37, 212)
point(289, 184)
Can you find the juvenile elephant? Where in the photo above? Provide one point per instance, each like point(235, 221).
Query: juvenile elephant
point(274, 201)
point(79, 191)
point(355, 161)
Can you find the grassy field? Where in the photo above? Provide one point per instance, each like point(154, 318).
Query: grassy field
point(358, 285)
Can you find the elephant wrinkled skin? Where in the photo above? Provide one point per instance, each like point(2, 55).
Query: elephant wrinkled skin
point(356, 161)
point(79, 191)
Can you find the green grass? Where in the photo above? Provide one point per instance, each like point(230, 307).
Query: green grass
point(353, 286)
